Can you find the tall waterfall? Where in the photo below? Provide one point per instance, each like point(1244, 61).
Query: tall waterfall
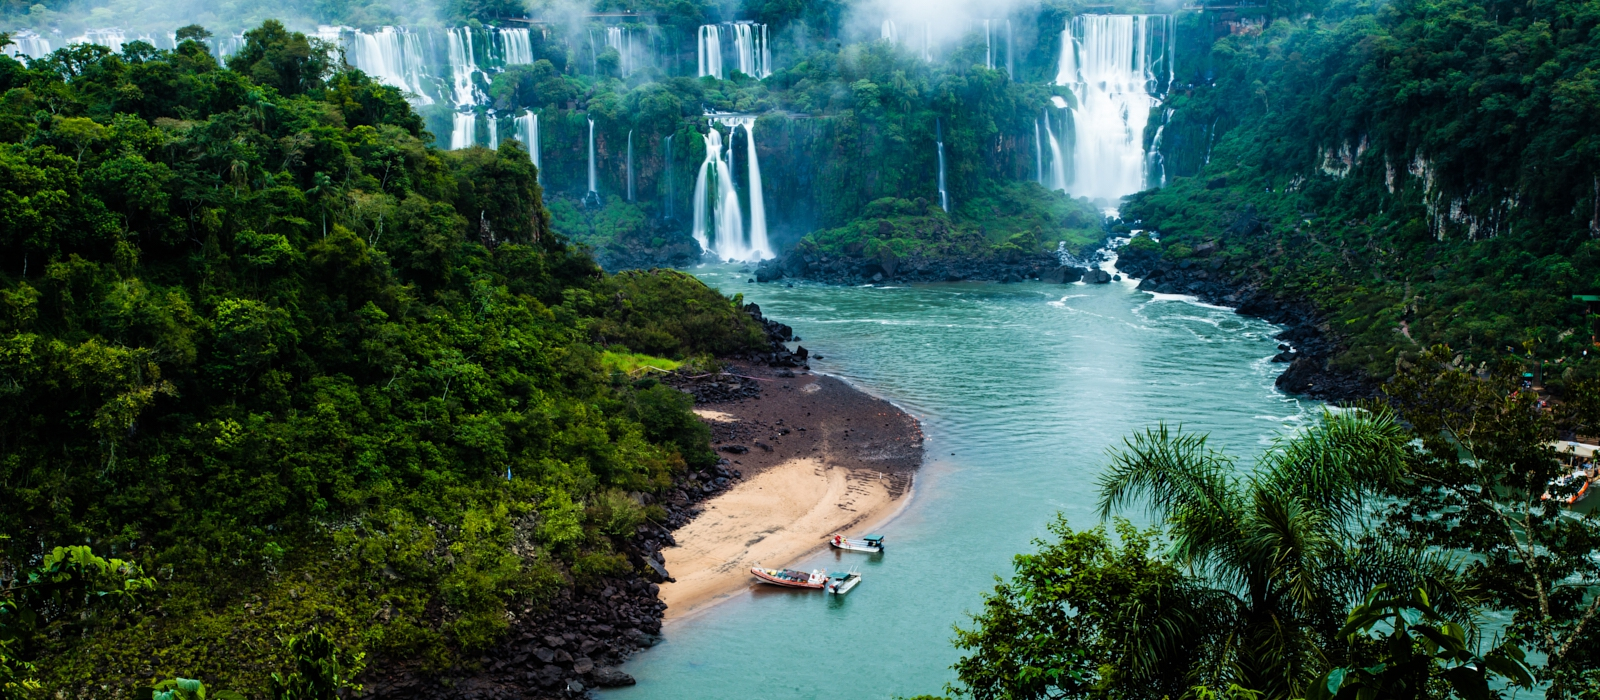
point(887, 31)
point(1011, 50)
point(1113, 65)
point(392, 57)
point(494, 131)
point(988, 45)
point(27, 43)
point(944, 195)
point(621, 39)
point(759, 247)
point(464, 133)
point(1056, 179)
point(463, 93)
point(516, 47)
point(528, 129)
point(672, 190)
point(751, 54)
point(630, 165)
point(718, 219)
point(711, 51)
point(593, 189)
point(1038, 155)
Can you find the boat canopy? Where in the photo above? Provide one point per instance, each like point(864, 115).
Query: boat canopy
point(1575, 448)
point(873, 538)
point(839, 575)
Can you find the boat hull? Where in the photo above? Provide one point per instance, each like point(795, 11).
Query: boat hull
point(774, 578)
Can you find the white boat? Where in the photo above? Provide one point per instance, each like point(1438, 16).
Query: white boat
point(869, 543)
point(840, 582)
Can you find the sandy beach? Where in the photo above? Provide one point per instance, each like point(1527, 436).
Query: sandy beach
point(818, 456)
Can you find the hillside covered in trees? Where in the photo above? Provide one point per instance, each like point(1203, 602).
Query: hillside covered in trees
point(263, 342)
point(1421, 171)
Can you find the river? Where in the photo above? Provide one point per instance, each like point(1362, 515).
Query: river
point(1021, 389)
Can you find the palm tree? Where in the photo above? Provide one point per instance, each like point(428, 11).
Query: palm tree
point(1281, 547)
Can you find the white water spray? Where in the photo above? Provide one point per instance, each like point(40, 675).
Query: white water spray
point(392, 57)
point(516, 46)
point(494, 131)
point(718, 218)
point(1112, 63)
point(464, 133)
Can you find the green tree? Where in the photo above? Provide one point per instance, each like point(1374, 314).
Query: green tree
point(1283, 544)
point(1483, 482)
point(288, 61)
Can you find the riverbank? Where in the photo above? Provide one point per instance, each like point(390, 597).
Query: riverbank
point(816, 455)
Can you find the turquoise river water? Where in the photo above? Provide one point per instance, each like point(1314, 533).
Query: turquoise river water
point(1021, 389)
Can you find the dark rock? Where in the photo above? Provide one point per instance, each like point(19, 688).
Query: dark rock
point(734, 449)
point(582, 664)
point(1097, 276)
point(607, 677)
point(1063, 274)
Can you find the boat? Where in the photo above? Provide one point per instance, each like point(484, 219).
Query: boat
point(791, 578)
point(840, 582)
point(869, 543)
point(1579, 479)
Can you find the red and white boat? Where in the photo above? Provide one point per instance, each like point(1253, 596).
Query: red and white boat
point(791, 578)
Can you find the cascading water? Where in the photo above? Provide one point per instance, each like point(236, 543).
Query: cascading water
point(110, 38)
point(593, 195)
point(751, 56)
point(718, 226)
point(494, 131)
point(944, 195)
point(27, 43)
point(1112, 64)
point(516, 46)
point(711, 51)
point(1038, 155)
point(718, 219)
point(528, 129)
point(750, 42)
point(392, 57)
point(463, 93)
point(621, 39)
point(1011, 65)
point(1057, 177)
point(759, 246)
point(887, 31)
point(464, 131)
point(988, 46)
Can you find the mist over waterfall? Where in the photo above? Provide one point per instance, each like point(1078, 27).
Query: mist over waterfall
point(1118, 67)
point(719, 222)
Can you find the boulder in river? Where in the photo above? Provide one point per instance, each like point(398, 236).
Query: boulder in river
point(1064, 274)
point(1097, 276)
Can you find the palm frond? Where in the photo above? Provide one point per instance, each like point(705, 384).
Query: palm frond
point(1181, 481)
point(1334, 464)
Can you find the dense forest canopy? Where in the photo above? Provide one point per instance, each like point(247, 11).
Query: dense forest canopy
point(1423, 171)
point(259, 333)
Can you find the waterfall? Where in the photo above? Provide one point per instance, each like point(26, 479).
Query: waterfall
point(516, 46)
point(750, 42)
point(465, 130)
point(710, 51)
point(494, 131)
point(1112, 64)
point(988, 46)
point(718, 225)
point(1038, 155)
point(27, 43)
point(392, 57)
point(630, 165)
point(944, 195)
point(759, 247)
point(672, 192)
point(718, 218)
point(927, 41)
point(528, 129)
point(462, 66)
point(620, 39)
point(1058, 164)
point(110, 38)
point(593, 189)
point(1011, 66)
point(887, 31)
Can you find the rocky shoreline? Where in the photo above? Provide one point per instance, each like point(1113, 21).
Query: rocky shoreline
point(845, 270)
point(577, 641)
